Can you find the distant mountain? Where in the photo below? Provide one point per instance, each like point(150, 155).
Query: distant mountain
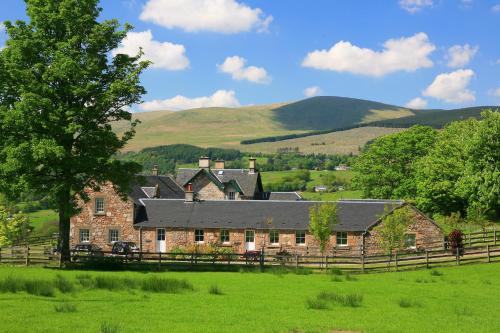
point(227, 127)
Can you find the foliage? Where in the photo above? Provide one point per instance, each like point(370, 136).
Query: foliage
point(449, 223)
point(386, 168)
point(455, 239)
point(392, 229)
point(322, 219)
point(60, 91)
point(12, 227)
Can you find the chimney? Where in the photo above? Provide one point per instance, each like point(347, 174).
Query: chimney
point(189, 193)
point(220, 164)
point(204, 162)
point(252, 165)
point(155, 170)
point(157, 191)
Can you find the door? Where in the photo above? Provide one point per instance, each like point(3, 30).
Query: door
point(249, 240)
point(161, 243)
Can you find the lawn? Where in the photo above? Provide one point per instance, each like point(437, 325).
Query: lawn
point(455, 299)
point(44, 222)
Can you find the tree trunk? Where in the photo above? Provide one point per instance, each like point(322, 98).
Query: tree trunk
point(64, 225)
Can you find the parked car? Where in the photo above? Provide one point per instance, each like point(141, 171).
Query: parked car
point(85, 251)
point(128, 250)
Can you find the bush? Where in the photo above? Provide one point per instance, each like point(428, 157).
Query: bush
point(161, 285)
point(63, 284)
point(455, 239)
point(107, 327)
point(65, 307)
point(215, 290)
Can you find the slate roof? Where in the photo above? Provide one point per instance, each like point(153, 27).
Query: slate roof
point(168, 188)
point(248, 182)
point(285, 196)
point(354, 215)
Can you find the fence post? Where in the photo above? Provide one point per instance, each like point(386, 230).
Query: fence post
point(296, 261)
point(0, 254)
point(27, 255)
point(326, 262)
point(458, 256)
point(159, 260)
point(261, 260)
point(495, 236)
point(427, 259)
point(470, 241)
point(362, 262)
point(396, 259)
point(488, 252)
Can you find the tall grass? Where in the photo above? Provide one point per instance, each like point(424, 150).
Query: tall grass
point(34, 287)
point(215, 290)
point(65, 307)
point(63, 284)
point(162, 285)
point(349, 300)
point(108, 327)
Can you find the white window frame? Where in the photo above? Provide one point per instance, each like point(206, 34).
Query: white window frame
point(96, 206)
point(80, 235)
point(110, 238)
point(231, 195)
point(297, 236)
point(414, 246)
point(271, 238)
point(228, 236)
point(338, 237)
point(197, 234)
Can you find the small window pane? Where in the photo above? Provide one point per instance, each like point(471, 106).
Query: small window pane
point(113, 235)
point(160, 234)
point(84, 235)
point(300, 237)
point(224, 236)
point(99, 205)
point(411, 241)
point(199, 235)
point(232, 195)
point(249, 236)
point(341, 238)
point(274, 237)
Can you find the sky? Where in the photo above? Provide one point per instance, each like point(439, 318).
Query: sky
point(415, 53)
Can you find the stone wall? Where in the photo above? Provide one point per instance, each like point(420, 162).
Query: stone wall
point(118, 214)
point(205, 189)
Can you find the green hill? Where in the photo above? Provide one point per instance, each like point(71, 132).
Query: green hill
point(227, 127)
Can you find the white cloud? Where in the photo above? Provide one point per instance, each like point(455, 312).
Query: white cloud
point(413, 6)
point(221, 98)
point(164, 55)
point(496, 8)
point(403, 54)
point(2, 27)
point(494, 92)
point(417, 103)
point(235, 66)
point(452, 87)
point(461, 55)
point(224, 16)
point(312, 91)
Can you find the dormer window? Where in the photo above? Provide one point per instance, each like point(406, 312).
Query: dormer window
point(231, 195)
point(99, 206)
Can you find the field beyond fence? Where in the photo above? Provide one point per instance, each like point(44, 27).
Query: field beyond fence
point(478, 247)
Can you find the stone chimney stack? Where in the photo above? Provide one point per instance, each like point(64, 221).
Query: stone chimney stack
point(252, 165)
point(204, 162)
point(155, 170)
point(220, 164)
point(189, 193)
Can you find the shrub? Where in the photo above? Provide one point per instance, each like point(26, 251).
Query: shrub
point(215, 290)
point(455, 238)
point(63, 284)
point(161, 285)
point(316, 304)
point(107, 327)
point(65, 307)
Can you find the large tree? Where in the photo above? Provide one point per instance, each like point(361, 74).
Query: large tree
point(322, 219)
point(60, 90)
point(386, 167)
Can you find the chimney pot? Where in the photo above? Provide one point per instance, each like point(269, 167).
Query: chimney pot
point(252, 167)
point(155, 170)
point(204, 162)
point(189, 195)
point(220, 164)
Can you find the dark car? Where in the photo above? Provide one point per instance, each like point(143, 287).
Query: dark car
point(129, 250)
point(85, 251)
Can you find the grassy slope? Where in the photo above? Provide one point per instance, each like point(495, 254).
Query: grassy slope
point(463, 299)
point(44, 222)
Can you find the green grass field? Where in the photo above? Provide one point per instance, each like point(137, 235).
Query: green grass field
point(455, 299)
point(44, 222)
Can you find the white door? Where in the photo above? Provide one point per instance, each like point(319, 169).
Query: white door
point(249, 240)
point(161, 243)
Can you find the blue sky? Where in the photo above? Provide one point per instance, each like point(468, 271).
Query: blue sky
point(434, 53)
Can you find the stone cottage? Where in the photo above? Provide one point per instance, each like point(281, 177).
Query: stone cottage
point(228, 207)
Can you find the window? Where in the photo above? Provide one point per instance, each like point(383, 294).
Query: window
point(274, 237)
point(224, 236)
point(113, 235)
point(341, 238)
point(160, 234)
point(410, 241)
point(199, 236)
point(84, 235)
point(231, 195)
point(99, 205)
point(300, 238)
